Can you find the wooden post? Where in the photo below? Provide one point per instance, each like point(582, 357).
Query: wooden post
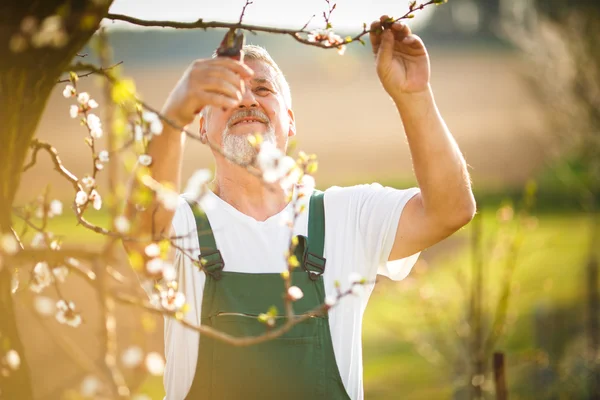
point(500, 376)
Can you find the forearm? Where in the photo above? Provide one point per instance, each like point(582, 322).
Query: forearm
point(166, 151)
point(439, 166)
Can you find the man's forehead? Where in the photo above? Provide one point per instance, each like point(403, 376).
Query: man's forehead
point(262, 71)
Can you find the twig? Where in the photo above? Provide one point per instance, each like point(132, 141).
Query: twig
point(91, 72)
point(248, 2)
point(58, 165)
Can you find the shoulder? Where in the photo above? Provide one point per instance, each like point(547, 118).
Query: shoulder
point(364, 192)
point(183, 219)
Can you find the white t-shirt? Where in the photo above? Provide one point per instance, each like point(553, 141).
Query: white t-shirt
point(360, 227)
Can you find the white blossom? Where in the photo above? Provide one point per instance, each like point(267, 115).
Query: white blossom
point(97, 200)
point(155, 266)
point(60, 273)
point(44, 305)
point(8, 244)
point(66, 313)
point(56, 208)
point(12, 359)
point(330, 300)
point(171, 300)
point(38, 240)
point(155, 363)
point(132, 357)
point(295, 293)
point(103, 156)
point(122, 224)
point(69, 91)
point(197, 181)
point(92, 103)
point(41, 277)
point(55, 245)
point(95, 126)
point(99, 165)
point(169, 271)
point(138, 133)
point(74, 111)
point(290, 179)
point(81, 198)
point(88, 181)
point(357, 289)
point(150, 116)
point(273, 164)
point(156, 127)
point(90, 386)
point(83, 98)
point(145, 160)
point(169, 198)
point(152, 250)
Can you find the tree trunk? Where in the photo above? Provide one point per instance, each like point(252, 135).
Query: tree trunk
point(26, 81)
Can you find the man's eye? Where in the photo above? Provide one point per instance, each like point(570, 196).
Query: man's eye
point(262, 89)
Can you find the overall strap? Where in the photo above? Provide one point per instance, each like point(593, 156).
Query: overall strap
point(210, 257)
point(314, 262)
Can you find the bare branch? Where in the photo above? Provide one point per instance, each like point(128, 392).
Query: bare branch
point(248, 2)
point(81, 67)
point(297, 34)
point(58, 165)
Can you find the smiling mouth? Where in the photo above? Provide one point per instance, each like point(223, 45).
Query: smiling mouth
point(247, 121)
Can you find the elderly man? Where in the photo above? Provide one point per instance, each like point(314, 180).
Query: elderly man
point(365, 229)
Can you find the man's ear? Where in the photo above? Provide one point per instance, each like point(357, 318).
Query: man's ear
point(292, 130)
point(202, 125)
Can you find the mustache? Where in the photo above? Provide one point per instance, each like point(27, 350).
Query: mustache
point(248, 113)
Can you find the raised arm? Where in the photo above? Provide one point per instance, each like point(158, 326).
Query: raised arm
point(446, 202)
point(212, 82)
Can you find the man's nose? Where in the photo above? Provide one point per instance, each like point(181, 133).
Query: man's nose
point(248, 99)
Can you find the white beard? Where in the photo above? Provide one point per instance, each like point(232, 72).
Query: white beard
point(237, 147)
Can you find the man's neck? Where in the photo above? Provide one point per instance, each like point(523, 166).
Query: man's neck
point(248, 194)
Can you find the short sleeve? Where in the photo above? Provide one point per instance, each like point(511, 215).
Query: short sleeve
point(372, 216)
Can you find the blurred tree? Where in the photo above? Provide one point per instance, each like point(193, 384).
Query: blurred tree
point(561, 41)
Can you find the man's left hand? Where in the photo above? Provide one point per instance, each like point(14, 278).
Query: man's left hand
point(401, 58)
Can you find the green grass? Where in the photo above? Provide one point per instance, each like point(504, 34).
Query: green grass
point(549, 272)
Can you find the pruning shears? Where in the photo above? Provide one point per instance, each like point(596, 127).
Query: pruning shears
point(232, 45)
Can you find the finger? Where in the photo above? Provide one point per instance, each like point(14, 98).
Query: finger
point(216, 99)
point(414, 44)
point(234, 65)
point(375, 35)
point(401, 30)
point(386, 49)
point(221, 86)
point(222, 73)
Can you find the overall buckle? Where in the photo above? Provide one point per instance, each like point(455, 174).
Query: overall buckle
point(316, 263)
point(212, 263)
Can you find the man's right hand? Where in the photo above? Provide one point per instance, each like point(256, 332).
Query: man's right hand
point(210, 82)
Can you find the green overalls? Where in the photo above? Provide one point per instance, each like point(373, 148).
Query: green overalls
point(301, 363)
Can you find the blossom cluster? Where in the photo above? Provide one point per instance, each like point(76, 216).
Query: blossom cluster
point(329, 38)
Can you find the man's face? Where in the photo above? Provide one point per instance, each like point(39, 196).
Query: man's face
point(262, 110)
